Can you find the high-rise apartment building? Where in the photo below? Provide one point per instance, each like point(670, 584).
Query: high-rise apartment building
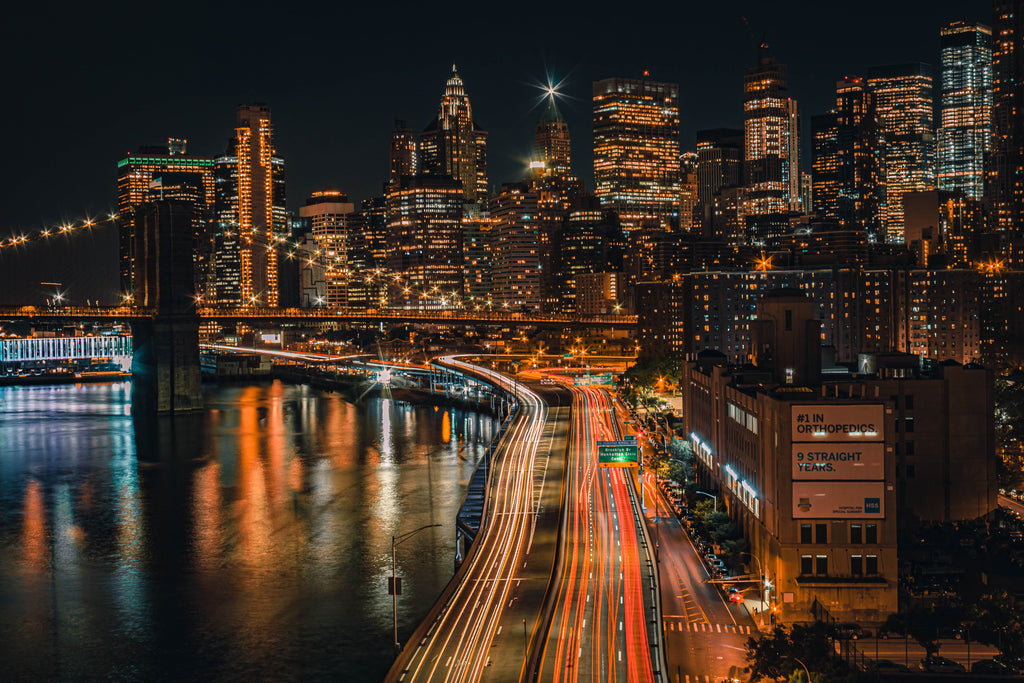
point(135, 172)
point(425, 232)
point(636, 150)
point(769, 139)
point(903, 106)
point(251, 214)
point(965, 112)
point(454, 145)
point(847, 183)
point(329, 213)
point(516, 270)
point(1006, 163)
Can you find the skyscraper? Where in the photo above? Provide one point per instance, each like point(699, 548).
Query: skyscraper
point(903, 105)
point(636, 150)
point(551, 143)
point(965, 124)
point(250, 211)
point(847, 184)
point(719, 165)
point(134, 175)
point(329, 213)
point(1006, 163)
point(516, 270)
point(425, 231)
point(402, 155)
point(454, 145)
point(768, 139)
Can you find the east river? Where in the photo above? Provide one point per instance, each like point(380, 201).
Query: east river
point(255, 546)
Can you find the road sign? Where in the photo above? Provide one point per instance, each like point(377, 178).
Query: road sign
point(618, 454)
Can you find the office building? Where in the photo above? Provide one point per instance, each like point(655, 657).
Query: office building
point(853, 460)
point(964, 136)
point(903, 107)
point(250, 212)
point(942, 228)
point(636, 150)
point(454, 144)
point(1006, 163)
point(135, 172)
point(848, 184)
point(425, 233)
point(476, 259)
point(770, 141)
point(689, 210)
point(368, 249)
point(330, 213)
point(402, 153)
point(719, 165)
point(551, 143)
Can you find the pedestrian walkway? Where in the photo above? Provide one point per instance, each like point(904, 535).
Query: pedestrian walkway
point(704, 627)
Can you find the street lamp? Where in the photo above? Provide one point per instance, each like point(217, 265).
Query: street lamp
point(710, 495)
point(761, 582)
point(806, 670)
point(394, 586)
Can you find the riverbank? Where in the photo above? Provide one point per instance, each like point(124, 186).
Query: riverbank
point(62, 378)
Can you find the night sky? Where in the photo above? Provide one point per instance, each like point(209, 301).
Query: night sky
point(87, 82)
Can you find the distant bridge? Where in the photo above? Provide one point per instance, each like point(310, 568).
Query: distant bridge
point(255, 315)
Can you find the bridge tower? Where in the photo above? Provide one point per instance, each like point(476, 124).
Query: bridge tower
point(165, 363)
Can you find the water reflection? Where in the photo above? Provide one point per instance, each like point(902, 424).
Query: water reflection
point(250, 541)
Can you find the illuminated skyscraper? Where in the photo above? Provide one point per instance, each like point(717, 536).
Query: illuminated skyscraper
point(425, 230)
point(719, 165)
point(965, 125)
point(551, 143)
point(454, 145)
point(402, 156)
point(1005, 189)
point(329, 213)
point(250, 211)
point(768, 138)
point(515, 248)
point(636, 150)
point(135, 172)
point(903, 106)
point(848, 186)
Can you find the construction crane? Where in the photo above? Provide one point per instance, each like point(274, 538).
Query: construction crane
point(760, 45)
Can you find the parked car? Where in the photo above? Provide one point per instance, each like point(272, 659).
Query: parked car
point(937, 664)
point(991, 666)
point(1014, 663)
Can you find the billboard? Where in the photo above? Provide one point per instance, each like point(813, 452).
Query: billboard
point(822, 422)
point(839, 461)
point(838, 500)
point(618, 454)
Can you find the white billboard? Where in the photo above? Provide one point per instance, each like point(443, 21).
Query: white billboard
point(839, 461)
point(823, 422)
point(836, 500)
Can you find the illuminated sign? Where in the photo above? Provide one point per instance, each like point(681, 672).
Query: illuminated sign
point(837, 500)
point(856, 422)
point(842, 461)
point(618, 454)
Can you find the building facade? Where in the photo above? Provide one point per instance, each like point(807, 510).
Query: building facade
point(454, 145)
point(515, 248)
point(330, 216)
point(964, 137)
point(636, 150)
point(1006, 162)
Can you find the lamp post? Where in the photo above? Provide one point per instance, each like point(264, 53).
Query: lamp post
point(710, 495)
point(806, 670)
point(760, 582)
point(394, 586)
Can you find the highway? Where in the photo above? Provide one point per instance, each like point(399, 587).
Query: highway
point(482, 631)
point(599, 628)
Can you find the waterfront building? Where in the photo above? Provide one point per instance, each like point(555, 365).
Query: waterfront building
point(454, 144)
point(964, 136)
point(330, 214)
point(636, 150)
point(903, 106)
point(135, 172)
point(251, 215)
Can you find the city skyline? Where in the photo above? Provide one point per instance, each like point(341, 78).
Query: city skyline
point(328, 140)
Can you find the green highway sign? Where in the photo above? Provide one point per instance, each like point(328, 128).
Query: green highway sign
point(618, 454)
